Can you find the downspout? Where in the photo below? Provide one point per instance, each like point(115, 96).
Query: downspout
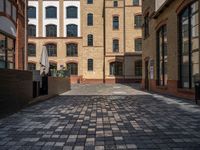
point(124, 37)
point(104, 43)
point(25, 35)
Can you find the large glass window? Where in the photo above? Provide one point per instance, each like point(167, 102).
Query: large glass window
point(73, 68)
point(189, 42)
point(90, 19)
point(90, 64)
point(115, 45)
point(51, 12)
point(31, 12)
point(138, 68)
point(51, 50)
point(138, 44)
point(90, 1)
point(31, 66)
point(72, 50)
point(162, 76)
point(138, 21)
point(72, 30)
point(115, 22)
point(116, 68)
point(51, 31)
point(90, 40)
point(31, 30)
point(7, 57)
point(31, 49)
point(72, 12)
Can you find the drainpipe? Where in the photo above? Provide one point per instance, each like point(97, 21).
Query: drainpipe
point(124, 28)
point(104, 42)
point(25, 35)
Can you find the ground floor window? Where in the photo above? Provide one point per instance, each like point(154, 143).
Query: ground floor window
point(72, 68)
point(116, 68)
point(189, 45)
point(31, 66)
point(138, 68)
point(7, 50)
point(52, 66)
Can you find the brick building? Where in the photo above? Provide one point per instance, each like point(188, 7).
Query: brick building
point(12, 34)
point(97, 40)
point(171, 46)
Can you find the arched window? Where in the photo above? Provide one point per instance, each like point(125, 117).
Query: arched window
point(72, 49)
point(72, 68)
point(90, 19)
point(116, 68)
point(138, 21)
point(90, 40)
point(31, 12)
point(189, 62)
point(115, 45)
point(51, 12)
point(72, 30)
point(31, 49)
point(51, 30)
point(31, 66)
point(90, 64)
point(138, 68)
point(32, 30)
point(51, 49)
point(72, 12)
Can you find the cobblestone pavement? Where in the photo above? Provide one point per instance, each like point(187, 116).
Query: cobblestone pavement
point(135, 120)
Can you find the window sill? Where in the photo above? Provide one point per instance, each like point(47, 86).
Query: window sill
point(72, 56)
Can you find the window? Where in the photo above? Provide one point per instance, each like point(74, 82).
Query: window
point(51, 31)
point(72, 68)
point(115, 22)
point(2, 6)
point(90, 40)
point(72, 12)
point(72, 30)
point(115, 3)
point(90, 1)
point(72, 49)
point(31, 12)
point(138, 21)
point(136, 2)
point(31, 50)
point(90, 19)
point(138, 44)
point(162, 56)
point(90, 64)
point(115, 45)
point(14, 13)
point(116, 68)
point(51, 50)
point(138, 68)
point(31, 66)
point(189, 46)
point(146, 26)
point(32, 30)
point(8, 7)
point(52, 66)
point(51, 12)
point(7, 52)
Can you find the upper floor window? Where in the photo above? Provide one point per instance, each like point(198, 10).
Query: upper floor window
point(7, 7)
point(72, 12)
point(138, 68)
point(138, 44)
point(138, 21)
point(90, 64)
point(32, 30)
point(31, 50)
point(72, 49)
point(115, 45)
point(90, 40)
point(51, 31)
point(51, 12)
point(116, 68)
point(90, 1)
point(90, 19)
point(115, 3)
point(31, 66)
point(162, 58)
point(31, 12)
point(136, 2)
point(72, 30)
point(51, 49)
point(146, 26)
point(115, 22)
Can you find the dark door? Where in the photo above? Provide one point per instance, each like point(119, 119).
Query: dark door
point(147, 75)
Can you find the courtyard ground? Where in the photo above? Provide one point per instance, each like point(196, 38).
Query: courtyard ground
point(104, 117)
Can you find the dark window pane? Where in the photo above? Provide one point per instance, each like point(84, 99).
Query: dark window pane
point(52, 66)
point(116, 68)
point(90, 40)
point(136, 2)
point(73, 68)
point(51, 49)
point(115, 3)
point(72, 50)
point(138, 21)
point(31, 50)
point(51, 12)
point(72, 12)
point(115, 22)
point(90, 19)
point(31, 66)
point(115, 45)
point(138, 68)
point(31, 12)
point(90, 64)
point(90, 1)
point(138, 45)
point(32, 30)
point(72, 30)
point(51, 31)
